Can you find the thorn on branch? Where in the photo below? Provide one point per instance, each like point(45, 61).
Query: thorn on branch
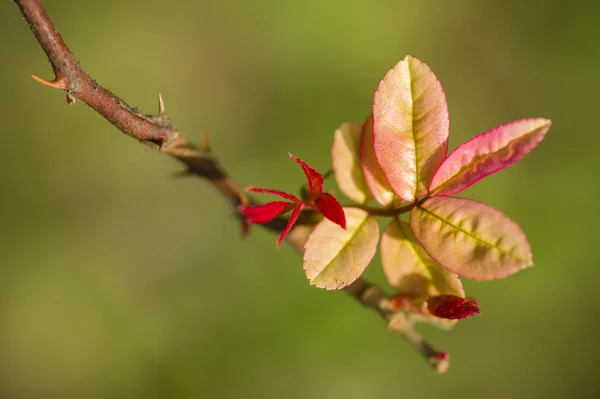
point(60, 82)
point(156, 143)
point(180, 174)
point(206, 143)
point(161, 105)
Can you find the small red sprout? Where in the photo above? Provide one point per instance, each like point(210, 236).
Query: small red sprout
point(318, 200)
point(452, 307)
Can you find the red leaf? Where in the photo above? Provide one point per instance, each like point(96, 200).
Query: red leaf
point(315, 179)
point(293, 218)
point(331, 209)
point(285, 195)
point(264, 213)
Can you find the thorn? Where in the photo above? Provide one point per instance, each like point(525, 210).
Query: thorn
point(60, 82)
point(206, 142)
point(70, 98)
point(245, 228)
point(243, 198)
point(181, 173)
point(161, 105)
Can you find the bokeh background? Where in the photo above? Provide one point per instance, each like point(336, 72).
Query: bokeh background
point(117, 281)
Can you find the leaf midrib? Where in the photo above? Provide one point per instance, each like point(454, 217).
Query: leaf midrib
point(503, 252)
point(412, 122)
point(480, 159)
point(350, 239)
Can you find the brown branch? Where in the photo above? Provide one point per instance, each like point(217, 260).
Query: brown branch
point(157, 132)
point(153, 130)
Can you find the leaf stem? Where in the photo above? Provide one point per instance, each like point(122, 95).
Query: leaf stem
point(376, 211)
point(384, 211)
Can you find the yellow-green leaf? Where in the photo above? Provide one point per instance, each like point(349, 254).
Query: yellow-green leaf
point(410, 269)
point(345, 157)
point(469, 238)
point(336, 257)
point(413, 272)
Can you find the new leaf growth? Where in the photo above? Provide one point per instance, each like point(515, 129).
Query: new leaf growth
point(318, 200)
point(398, 157)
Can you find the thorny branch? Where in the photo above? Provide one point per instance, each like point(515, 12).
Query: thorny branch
point(157, 132)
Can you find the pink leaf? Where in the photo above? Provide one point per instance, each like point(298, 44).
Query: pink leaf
point(331, 209)
point(285, 195)
point(469, 238)
point(288, 227)
point(378, 185)
point(315, 179)
point(487, 153)
point(411, 126)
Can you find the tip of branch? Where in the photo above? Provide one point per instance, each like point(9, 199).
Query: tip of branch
point(60, 82)
point(440, 362)
point(161, 105)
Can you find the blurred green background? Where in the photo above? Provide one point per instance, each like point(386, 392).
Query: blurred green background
point(117, 281)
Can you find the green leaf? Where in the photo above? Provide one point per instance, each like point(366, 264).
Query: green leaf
point(411, 127)
point(410, 269)
point(469, 238)
point(345, 157)
point(336, 257)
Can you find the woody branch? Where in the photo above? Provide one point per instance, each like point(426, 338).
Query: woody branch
point(157, 132)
